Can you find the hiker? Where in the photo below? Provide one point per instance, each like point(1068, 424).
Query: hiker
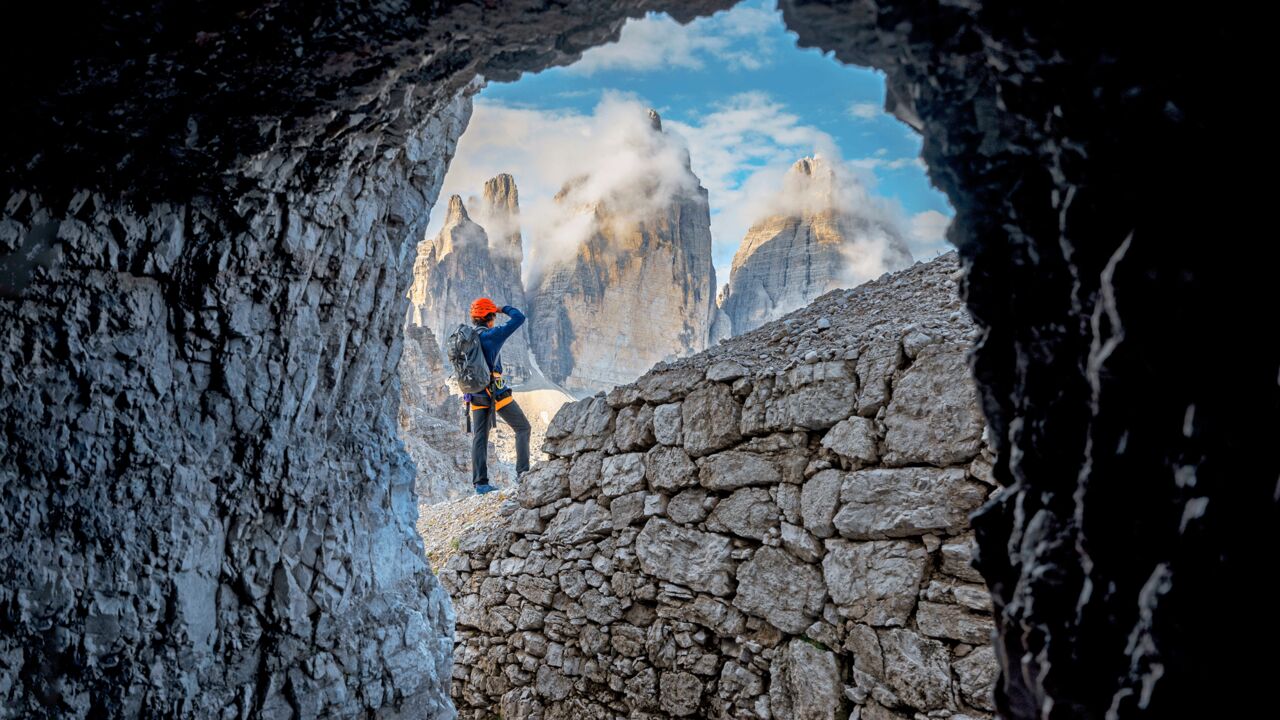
point(496, 400)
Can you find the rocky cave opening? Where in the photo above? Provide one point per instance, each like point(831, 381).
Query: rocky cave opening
point(205, 248)
point(682, 169)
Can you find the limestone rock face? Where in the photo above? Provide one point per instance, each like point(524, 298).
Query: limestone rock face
point(697, 559)
point(901, 502)
point(431, 420)
point(640, 288)
point(230, 530)
point(748, 512)
point(806, 683)
point(499, 213)
point(688, 555)
point(875, 582)
point(817, 244)
point(976, 674)
point(781, 589)
point(917, 668)
point(934, 417)
point(462, 262)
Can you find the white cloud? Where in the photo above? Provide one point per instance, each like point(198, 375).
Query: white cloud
point(865, 111)
point(741, 151)
point(881, 162)
point(614, 151)
point(735, 39)
point(929, 234)
point(874, 222)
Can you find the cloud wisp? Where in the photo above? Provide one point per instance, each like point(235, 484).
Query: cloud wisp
point(740, 150)
point(734, 39)
point(612, 156)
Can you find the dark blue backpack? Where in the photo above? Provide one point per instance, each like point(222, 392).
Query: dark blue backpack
point(467, 357)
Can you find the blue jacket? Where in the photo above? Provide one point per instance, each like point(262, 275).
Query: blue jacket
point(491, 339)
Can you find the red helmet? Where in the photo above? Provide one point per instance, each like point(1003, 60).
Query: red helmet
point(483, 307)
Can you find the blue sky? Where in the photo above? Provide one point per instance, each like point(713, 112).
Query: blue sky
point(737, 92)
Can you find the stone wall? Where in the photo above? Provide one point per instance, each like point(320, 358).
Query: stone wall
point(775, 528)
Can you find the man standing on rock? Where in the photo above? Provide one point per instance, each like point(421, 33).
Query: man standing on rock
point(496, 400)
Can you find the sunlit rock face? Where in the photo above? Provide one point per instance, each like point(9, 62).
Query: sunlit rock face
point(640, 287)
point(821, 239)
point(464, 262)
point(432, 420)
point(499, 212)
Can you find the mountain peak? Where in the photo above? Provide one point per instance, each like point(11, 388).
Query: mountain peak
point(499, 213)
point(457, 212)
point(816, 237)
point(814, 166)
point(500, 192)
point(458, 230)
point(655, 120)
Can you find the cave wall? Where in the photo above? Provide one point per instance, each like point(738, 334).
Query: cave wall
point(1087, 150)
point(209, 216)
point(205, 503)
point(204, 244)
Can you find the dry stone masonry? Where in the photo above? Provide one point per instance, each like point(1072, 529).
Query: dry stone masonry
point(776, 528)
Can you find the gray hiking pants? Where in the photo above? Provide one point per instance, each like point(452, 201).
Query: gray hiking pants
point(481, 418)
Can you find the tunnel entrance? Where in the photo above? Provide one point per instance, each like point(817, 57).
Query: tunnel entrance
point(636, 239)
point(695, 170)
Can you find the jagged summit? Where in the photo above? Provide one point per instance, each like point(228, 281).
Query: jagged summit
point(465, 261)
point(498, 210)
point(646, 244)
point(500, 191)
point(821, 234)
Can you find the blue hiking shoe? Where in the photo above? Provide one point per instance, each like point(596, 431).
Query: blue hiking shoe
point(485, 488)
